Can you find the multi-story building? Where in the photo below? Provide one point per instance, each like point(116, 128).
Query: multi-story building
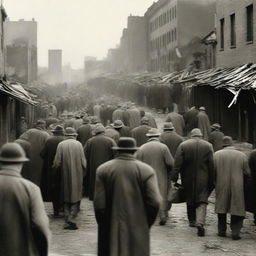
point(55, 66)
point(175, 29)
point(21, 50)
point(235, 32)
point(3, 16)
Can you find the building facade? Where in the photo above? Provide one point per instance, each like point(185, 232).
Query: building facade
point(175, 29)
point(55, 66)
point(21, 50)
point(236, 32)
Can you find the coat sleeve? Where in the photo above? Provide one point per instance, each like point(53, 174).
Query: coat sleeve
point(58, 157)
point(178, 162)
point(40, 222)
point(211, 170)
point(83, 160)
point(246, 169)
point(169, 161)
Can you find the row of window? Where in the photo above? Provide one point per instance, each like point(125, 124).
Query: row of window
point(249, 28)
point(163, 19)
point(164, 40)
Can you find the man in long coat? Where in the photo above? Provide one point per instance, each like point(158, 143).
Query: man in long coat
point(252, 165)
point(24, 226)
point(124, 131)
point(50, 183)
point(70, 158)
point(151, 119)
point(85, 131)
point(37, 138)
point(191, 119)
point(170, 138)
point(194, 162)
point(204, 123)
point(126, 199)
point(118, 114)
point(98, 150)
point(216, 137)
point(139, 133)
point(134, 116)
point(158, 156)
point(230, 165)
point(177, 121)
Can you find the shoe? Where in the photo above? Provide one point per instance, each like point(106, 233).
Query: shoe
point(58, 216)
point(70, 226)
point(236, 237)
point(192, 224)
point(163, 221)
point(200, 230)
point(222, 234)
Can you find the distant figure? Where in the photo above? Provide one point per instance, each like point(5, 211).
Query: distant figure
point(231, 165)
point(191, 119)
point(126, 203)
point(252, 165)
point(152, 122)
point(177, 121)
point(139, 133)
point(24, 226)
point(204, 123)
point(70, 121)
point(112, 133)
point(118, 114)
point(124, 131)
point(84, 131)
point(77, 122)
point(216, 137)
point(96, 110)
point(134, 116)
point(22, 126)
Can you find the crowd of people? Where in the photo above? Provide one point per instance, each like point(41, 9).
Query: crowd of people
point(119, 157)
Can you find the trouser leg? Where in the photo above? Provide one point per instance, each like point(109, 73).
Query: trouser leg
point(66, 211)
point(191, 213)
point(73, 212)
point(222, 223)
point(201, 214)
point(236, 225)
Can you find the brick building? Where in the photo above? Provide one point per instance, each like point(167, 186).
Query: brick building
point(236, 32)
point(175, 29)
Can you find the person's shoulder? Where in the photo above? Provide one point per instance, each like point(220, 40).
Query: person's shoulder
point(144, 168)
point(32, 187)
point(105, 166)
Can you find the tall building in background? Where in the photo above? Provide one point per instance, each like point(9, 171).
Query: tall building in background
point(3, 16)
point(55, 66)
point(21, 50)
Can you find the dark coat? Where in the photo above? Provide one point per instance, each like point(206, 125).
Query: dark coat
point(252, 198)
point(48, 173)
point(216, 139)
point(177, 121)
point(134, 117)
point(124, 131)
point(118, 114)
point(204, 124)
point(24, 227)
point(139, 134)
point(191, 119)
point(84, 133)
point(172, 140)
point(194, 161)
point(98, 150)
point(126, 203)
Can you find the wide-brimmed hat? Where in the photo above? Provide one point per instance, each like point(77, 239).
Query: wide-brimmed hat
point(12, 153)
point(58, 130)
point(86, 120)
point(40, 122)
point(99, 128)
point(118, 124)
point(94, 120)
point(153, 132)
point(202, 108)
point(227, 141)
point(196, 133)
point(126, 144)
point(144, 120)
point(216, 126)
point(168, 126)
point(70, 131)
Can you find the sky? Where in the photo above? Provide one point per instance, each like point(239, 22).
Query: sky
point(78, 27)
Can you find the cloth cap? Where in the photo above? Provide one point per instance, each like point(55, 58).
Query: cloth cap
point(144, 120)
point(202, 108)
point(118, 124)
point(40, 122)
point(86, 120)
point(127, 144)
point(216, 126)
point(58, 130)
point(153, 132)
point(196, 133)
point(227, 141)
point(99, 129)
point(168, 126)
point(12, 153)
point(70, 131)
point(94, 120)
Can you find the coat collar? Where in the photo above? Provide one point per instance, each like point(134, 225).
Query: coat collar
point(126, 156)
point(10, 172)
point(153, 139)
point(229, 147)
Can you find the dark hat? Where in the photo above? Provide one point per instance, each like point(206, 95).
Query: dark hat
point(40, 122)
point(58, 130)
point(69, 131)
point(86, 120)
point(99, 128)
point(118, 124)
point(227, 141)
point(12, 153)
point(153, 132)
point(144, 120)
point(168, 126)
point(94, 120)
point(126, 144)
point(196, 133)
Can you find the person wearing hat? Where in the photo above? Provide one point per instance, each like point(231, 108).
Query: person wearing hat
point(70, 159)
point(170, 138)
point(177, 121)
point(128, 186)
point(191, 119)
point(204, 123)
point(216, 137)
point(22, 126)
point(37, 138)
point(158, 156)
point(133, 116)
point(50, 183)
point(124, 131)
point(112, 133)
point(69, 122)
point(194, 162)
point(118, 114)
point(231, 165)
point(252, 198)
point(139, 133)
point(78, 121)
point(98, 150)
point(84, 131)
point(24, 226)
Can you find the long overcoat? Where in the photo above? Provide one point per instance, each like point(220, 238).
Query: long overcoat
point(134, 117)
point(194, 162)
point(70, 157)
point(126, 203)
point(48, 174)
point(252, 198)
point(139, 134)
point(158, 156)
point(98, 150)
point(151, 119)
point(191, 119)
point(24, 226)
point(37, 138)
point(216, 139)
point(84, 133)
point(118, 114)
point(177, 121)
point(230, 167)
point(204, 124)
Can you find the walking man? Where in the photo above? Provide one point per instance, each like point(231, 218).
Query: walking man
point(204, 123)
point(126, 203)
point(139, 133)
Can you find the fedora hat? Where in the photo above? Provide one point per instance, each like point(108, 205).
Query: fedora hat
point(69, 131)
point(168, 126)
point(153, 132)
point(118, 124)
point(86, 120)
point(196, 133)
point(216, 126)
point(94, 120)
point(127, 144)
point(144, 120)
point(202, 108)
point(12, 153)
point(58, 130)
point(227, 141)
point(99, 128)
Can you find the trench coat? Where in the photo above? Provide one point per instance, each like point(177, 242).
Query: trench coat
point(216, 139)
point(204, 124)
point(37, 138)
point(158, 156)
point(139, 134)
point(126, 203)
point(194, 162)
point(172, 140)
point(24, 226)
point(230, 167)
point(177, 121)
point(70, 157)
point(134, 117)
point(118, 114)
point(152, 121)
point(48, 174)
point(191, 119)
point(96, 111)
point(84, 133)
point(97, 150)
point(112, 133)
point(124, 131)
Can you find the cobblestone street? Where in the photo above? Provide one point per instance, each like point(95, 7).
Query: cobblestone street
point(174, 239)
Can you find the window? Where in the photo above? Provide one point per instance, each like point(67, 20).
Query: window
point(174, 11)
point(222, 24)
point(172, 36)
point(232, 30)
point(170, 14)
point(175, 35)
point(249, 15)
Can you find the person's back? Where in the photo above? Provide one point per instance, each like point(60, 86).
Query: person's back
point(84, 133)
point(139, 134)
point(178, 122)
point(216, 138)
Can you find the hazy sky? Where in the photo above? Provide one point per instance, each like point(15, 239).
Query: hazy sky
point(78, 27)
